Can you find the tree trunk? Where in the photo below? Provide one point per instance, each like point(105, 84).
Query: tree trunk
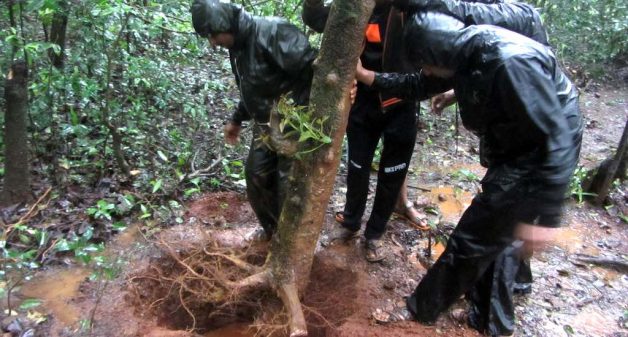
point(13, 25)
point(107, 120)
point(10, 4)
point(312, 179)
point(609, 170)
point(17, 172)
point(57, 34)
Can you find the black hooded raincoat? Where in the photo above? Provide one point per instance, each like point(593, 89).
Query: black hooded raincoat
point(270, 58)
point(513, 95)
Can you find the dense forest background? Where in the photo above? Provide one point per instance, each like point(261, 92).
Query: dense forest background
point(122, 118)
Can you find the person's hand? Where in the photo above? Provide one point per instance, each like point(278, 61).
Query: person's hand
point(441, 101)
point(354, 91)
point(535, 238)
point(364, 75)
point(232, 133)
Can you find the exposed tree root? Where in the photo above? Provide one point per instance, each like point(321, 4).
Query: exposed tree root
point(236, 261)
point(208, 287)
point(201, 286)
point(290, 297)
point(259, 280)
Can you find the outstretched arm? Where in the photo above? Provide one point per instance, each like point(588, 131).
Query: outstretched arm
point(415, 85)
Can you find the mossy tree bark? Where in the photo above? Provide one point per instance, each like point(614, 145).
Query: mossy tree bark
point(17, 170)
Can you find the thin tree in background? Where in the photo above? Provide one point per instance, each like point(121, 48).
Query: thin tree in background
point(58, 29)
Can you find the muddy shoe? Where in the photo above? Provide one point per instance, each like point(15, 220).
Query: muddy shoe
point(397, 315)
point(375, 250)
point(257, 235)
point(346, 234)
point(342, 233)
point(459, 316)
point(412, 216)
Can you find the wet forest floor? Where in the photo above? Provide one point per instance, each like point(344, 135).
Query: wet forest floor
point(347, 295)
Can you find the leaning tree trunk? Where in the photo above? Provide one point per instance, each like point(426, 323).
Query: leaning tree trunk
point(17, 173)
point(610, 169)
point(312, 179)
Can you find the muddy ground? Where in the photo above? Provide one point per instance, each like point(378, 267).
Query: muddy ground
point(347, 295)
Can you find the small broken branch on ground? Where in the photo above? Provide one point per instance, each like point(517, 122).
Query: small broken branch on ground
point(32, 211)
point(620, 265)
point(201, 172)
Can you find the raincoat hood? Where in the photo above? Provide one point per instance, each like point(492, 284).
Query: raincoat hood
point(211, 17)
point(515, 16)
point(436, 39)
point(269, 57)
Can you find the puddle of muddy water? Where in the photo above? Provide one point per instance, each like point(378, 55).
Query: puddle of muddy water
point(437, 251)
point(56, 289)
point(569, 239)
point(451, 201)
point(126, 238)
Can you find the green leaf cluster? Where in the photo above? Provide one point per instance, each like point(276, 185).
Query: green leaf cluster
point(299, 123)
point(575, 185)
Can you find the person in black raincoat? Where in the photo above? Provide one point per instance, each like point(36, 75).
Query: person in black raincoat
point(377, 115)
point(269, 58)
point(518, 17)
point(513, 95)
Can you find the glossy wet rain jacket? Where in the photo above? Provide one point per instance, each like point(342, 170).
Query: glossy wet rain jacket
point(270, 57)
point(515, 98)
point(515, 16)
point(511, 93)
